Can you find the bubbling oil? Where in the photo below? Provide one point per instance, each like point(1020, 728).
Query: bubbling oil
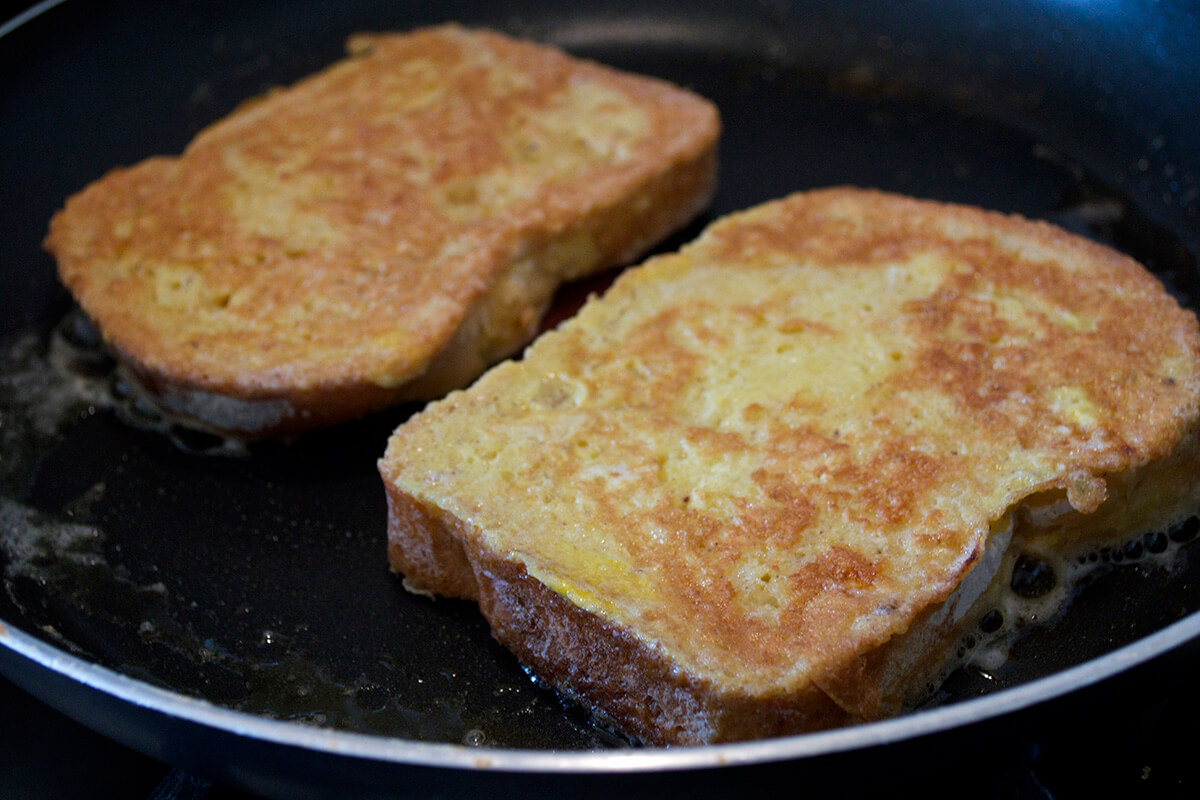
point(47, 382)
point(67, 577)
point(76, 349)
point(1035, 589)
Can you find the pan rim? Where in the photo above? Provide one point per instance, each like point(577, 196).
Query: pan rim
point(413, 753)
point(405, 752)
point(7, 26)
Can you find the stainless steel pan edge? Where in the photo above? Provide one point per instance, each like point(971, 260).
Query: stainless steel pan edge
point(291, 760)
point(108, 701)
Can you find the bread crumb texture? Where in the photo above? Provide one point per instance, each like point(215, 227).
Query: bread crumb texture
point(333, 237)
point(768, 455)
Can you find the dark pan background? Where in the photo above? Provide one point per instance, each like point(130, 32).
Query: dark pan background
point(258, 582)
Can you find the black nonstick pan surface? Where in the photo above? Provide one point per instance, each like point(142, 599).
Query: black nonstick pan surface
point(228, 608)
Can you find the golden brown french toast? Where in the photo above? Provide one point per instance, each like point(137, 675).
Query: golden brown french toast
point(760, 485)
point(381, 231)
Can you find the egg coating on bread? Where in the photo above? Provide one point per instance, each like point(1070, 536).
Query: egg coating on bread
point(741, 493)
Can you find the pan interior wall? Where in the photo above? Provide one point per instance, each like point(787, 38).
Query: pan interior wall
point(255, 576)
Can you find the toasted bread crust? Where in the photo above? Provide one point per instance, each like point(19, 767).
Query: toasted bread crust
point(772, 461)
point(627, 683)
point(382, 230)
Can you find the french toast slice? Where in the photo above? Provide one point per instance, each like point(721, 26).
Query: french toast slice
point(763, 485)
point(381, 231)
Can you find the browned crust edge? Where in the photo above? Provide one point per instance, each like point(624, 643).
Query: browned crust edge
point(626, 683)
point(623, 229)
point(637, 689)
point(623, 219)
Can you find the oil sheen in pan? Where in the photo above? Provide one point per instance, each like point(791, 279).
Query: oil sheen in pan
point(60, 564)
point(77, 575)
point(57, 566)
point(107, 509)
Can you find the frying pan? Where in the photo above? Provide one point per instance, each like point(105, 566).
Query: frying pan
point(228, 608)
